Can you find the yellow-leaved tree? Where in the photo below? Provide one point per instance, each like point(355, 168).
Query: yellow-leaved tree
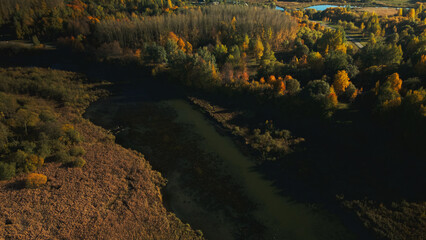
point(258, 49)
point(35, 180)
point(341, 82)
point(333, 97)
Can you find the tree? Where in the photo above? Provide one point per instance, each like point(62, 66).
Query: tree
point(171, 47)
point(156, 54)
point(421, 66)
point(336, 60)
point(220, 51)
point(331, 39)
point(395, 82)
point(412, 14)
point(292, 86)
point(181, 44)
point(333, 97)
point(169, 4)
point(25, 118)
point(7, 170)
point(173, 36)
point(235, 53)
point(381, 54)
point(4, 136)
point(317, 89)
point(188, 47)
point(316, 62)
point(246, 43)
point(388, 97)
point(258, 49)
point(268, 56)
point(301, 50)
point(341, 82)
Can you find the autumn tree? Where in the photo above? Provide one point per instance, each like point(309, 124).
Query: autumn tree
point(387, 97)
point(169, 4)
point(412, 14)
point(341, 82)
point(258, 49)
point(333, 97)
point(395, 82)
point(246, 43)
point(35, 180)
point(220, 52)
point(331, 39)
point(316, 62)
point(181, 44)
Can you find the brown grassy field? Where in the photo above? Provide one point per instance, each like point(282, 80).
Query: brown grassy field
point(380, 11)
point(116, 195)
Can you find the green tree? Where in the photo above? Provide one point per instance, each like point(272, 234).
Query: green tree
point(7, 170)
point(292, 86)
point(155, 54)
point(25, 118)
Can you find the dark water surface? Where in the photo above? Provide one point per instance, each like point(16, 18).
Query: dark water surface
point(279, 216)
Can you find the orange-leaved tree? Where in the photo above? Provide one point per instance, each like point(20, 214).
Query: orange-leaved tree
point(395, 81)
point(341, 82)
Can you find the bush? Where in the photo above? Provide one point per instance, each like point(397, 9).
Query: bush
point(62, 157)
point(35, 180)
point(77, 151)
point(47, 116)
point(73, 136)
point(7, 171)
point(79, 162)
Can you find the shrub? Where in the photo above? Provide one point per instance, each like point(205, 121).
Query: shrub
point(77, 151)
point(47, 116)
point(35, 180)
point(73, 136)
point(79, 162)
point(7, 171)
point(62, 156)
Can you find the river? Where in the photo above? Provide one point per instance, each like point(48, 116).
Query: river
point(212, 185)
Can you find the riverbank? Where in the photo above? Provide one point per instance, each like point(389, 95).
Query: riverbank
point(115, 195)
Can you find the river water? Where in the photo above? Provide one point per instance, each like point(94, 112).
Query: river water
point(284, 219)
point(159, 128)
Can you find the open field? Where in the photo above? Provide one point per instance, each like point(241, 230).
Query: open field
point(381, 11)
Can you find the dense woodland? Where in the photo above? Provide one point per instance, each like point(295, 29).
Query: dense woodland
point(299, 64)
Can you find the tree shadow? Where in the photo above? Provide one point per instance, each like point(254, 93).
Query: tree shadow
point(16, 185)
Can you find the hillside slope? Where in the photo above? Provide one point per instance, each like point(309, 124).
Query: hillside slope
point(116, 195)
